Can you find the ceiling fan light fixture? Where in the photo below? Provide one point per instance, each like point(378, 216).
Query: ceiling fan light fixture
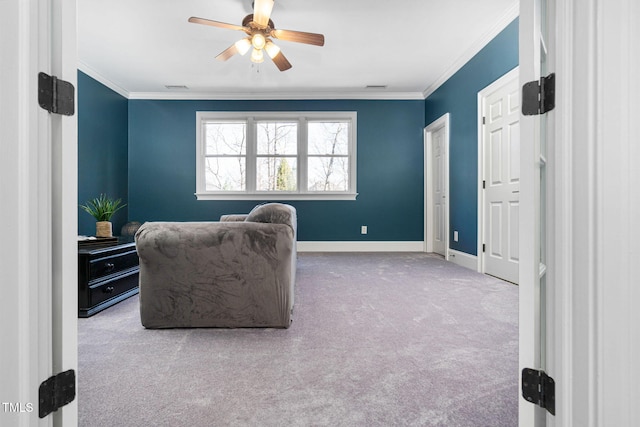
point(259, 29)
point(257, 56)
point(258, 41)
point(272, 49)
point(243, 46)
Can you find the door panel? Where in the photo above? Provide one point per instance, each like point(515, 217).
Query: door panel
point(495, 162)
point(514, 215)
point(514, 153)
point(495, 221)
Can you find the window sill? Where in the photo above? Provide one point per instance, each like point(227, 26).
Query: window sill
point(276, 196)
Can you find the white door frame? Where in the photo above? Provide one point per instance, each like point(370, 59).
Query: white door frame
point(529, 288)
point(597, 203)
point(482, 95)
point(38, 309)
point(442, 121)
point(64, 205)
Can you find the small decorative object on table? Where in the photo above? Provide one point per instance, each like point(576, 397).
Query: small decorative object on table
point(130, 228)
point(102, 209)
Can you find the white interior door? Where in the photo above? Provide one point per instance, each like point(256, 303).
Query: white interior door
point(439, 196)
point(536, 203)
point(436, 185)
point(501, 147)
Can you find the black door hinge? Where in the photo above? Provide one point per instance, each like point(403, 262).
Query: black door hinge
point(538, 97)
point(484, 247)
point(539, 389)
point(55, 95)
point(56, 392)
point(484, 184)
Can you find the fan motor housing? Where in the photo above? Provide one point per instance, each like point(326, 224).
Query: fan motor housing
point(249, 19)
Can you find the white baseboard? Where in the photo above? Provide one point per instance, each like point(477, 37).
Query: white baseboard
point(463, 259)
point(361, 246)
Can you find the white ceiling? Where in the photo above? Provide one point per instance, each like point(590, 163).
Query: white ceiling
point(138, 47)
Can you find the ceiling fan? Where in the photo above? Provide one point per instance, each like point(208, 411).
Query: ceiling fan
point(260, 30)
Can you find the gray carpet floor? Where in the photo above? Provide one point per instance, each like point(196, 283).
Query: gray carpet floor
point(380, 339)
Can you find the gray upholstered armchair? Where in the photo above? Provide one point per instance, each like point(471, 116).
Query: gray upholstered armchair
point(239, 272)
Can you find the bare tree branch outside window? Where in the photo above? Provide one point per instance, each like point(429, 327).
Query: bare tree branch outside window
point(277, 156)
point(225, 165)
point(328, 156)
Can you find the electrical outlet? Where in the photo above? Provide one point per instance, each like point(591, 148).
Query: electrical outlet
point(455, 236)
point(363, 229)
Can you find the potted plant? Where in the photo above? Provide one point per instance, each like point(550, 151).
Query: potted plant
point(102, 209)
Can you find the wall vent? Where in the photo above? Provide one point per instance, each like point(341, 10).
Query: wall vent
point(176, 87)
point(374, 87)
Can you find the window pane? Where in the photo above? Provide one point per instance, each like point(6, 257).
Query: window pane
point(277, 174)
point(328, 173)
point(329, 138)
point(225, 138)
point(225, 173)
point(277, 138)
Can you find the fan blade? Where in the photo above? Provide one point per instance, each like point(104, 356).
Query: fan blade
point(218, 24)
point(281, 62)
point(262, 12)
point(227, 53)
point(299, 37)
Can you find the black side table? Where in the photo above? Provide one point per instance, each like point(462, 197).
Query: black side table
point(107, 274)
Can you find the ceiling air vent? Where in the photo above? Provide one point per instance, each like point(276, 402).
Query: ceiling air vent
point(376, 87)
point(176, 87)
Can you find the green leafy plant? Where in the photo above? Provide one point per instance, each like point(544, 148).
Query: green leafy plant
point(102, 208)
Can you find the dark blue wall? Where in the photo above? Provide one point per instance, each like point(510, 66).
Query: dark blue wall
point(102, 149)
point(162, 180)
point(459, 97)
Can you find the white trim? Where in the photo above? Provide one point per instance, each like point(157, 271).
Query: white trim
point(442, 121)
point(25, 251)
point(508, 17)
point(529, 228)
point(309, 95)
point(505, 79)
point(597, 203)
point(186, 95)
point(276, 196)
point(63, 222)
point(102, 79)
point(311, 246)
point(463, 259)
point(250, 118)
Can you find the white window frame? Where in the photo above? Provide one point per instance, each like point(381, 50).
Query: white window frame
point(251, 118)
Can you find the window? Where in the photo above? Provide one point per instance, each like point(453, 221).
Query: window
point(286, 156)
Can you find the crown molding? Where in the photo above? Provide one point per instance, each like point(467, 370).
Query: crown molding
point(226, 96)
point(102, 79)
point(508, 17)
point(310, 95)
